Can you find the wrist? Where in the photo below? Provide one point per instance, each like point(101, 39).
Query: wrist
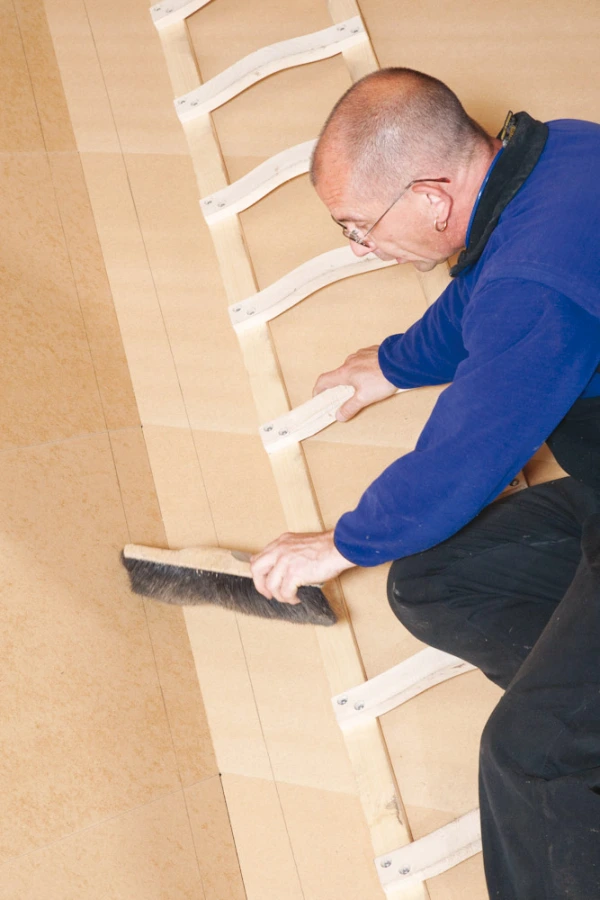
point(343, 561)
point(385, 359)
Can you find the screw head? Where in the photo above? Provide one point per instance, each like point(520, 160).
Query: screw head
point(283, 432)
point(341, 28)
point(359, 706)
point(220, 205)
point(250, 312)
point(179, 102)
point(268, 428)
point(385, 863)
point(355, 31)
point(342, 701)
point(207, 202)
point(194, 103)
point(404, 870)
point(237, 308)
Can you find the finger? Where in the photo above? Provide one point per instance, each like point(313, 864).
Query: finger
point(327, 380)
point(270, 550)
point(288, 592)
point(266, 558)
point(278, 583)
point(260, 570)
point(349, 409)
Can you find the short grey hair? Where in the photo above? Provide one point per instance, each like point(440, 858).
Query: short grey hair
point(396, 125)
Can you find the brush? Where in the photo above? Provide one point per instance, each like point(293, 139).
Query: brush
point(221, 577)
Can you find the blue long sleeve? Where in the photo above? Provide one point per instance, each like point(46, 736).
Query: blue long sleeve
point(430, 351)
point(528, 353)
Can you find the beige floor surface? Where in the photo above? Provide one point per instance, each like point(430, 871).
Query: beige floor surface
point(124, 779)
point(109, 783)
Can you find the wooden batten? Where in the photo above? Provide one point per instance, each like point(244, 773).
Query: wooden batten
point(360, 59)
point(377, 787)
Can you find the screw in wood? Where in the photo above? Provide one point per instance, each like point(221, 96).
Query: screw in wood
point(404, 870)
point(385, 863)
point(342, 701)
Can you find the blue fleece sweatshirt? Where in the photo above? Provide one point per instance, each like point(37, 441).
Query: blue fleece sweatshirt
point(518, 337)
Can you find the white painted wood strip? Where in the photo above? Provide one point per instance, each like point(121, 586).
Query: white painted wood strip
point(264, 62)
point(307, 419)
point(258, 183)
point(430, 855)
point(299, 284)
point(384, 692)
point(171, 11)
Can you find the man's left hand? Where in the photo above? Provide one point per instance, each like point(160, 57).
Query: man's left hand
point(296, 559)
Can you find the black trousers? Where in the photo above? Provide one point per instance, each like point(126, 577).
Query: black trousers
point(517, 593)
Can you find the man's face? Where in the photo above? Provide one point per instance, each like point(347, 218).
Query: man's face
point(405, 231)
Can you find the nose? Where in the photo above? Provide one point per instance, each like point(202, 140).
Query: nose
point(360, 249)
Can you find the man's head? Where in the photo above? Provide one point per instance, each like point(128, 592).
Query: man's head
point(398, 146)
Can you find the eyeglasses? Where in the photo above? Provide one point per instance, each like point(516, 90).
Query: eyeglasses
point(361, 239)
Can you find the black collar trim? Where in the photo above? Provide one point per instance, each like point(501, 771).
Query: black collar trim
point(526, 139)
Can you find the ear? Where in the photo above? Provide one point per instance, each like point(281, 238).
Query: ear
point(438, 201)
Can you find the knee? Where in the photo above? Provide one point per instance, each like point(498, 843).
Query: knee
point(405, 582)
point(413, 596)
point(498, 739)
point(510, 742)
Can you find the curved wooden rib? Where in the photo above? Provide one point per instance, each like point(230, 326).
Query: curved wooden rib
point(300, 283)
point(307, 419)
point(266, 61)
point(430, 855)
point(171, 11)
point(384, 692)
point(258, 183)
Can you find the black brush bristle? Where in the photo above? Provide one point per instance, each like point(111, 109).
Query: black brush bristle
point(191, 587)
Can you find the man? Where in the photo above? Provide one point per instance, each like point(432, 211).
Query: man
point(513, 587)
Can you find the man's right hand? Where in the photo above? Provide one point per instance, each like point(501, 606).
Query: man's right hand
point(362, 371)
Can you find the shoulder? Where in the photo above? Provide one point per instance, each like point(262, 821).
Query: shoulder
point(550, 231)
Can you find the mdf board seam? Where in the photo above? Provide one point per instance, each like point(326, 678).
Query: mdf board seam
point(377, 788)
